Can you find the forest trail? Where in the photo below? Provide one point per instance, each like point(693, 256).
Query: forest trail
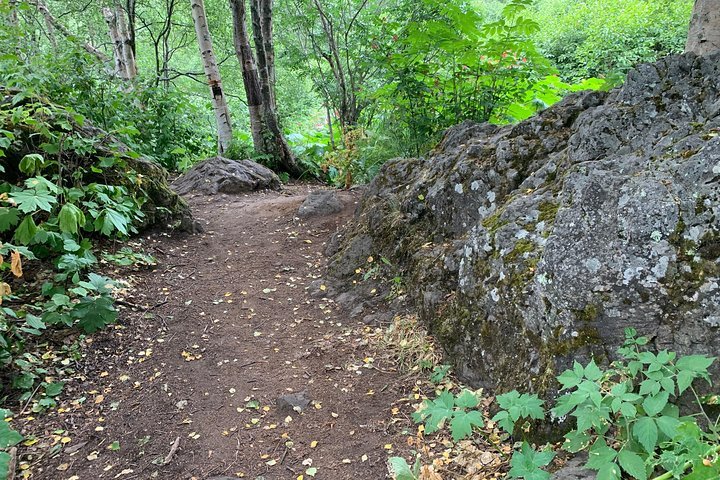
point(226, 327)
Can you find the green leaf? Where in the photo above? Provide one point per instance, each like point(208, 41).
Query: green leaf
point(632, 464)
point(655, 403)
point(466, 399)
point(26, 231)
point(9, 217)
point(31, 163)
point(70, 218)
point(4, 457)
point(646, 432)
point(435, 412)
point(30, 201)
point(592, 372)
point(600, 455)
point(576, 441)
point(527, 463)
point(609, 471)
point(399, 469)
point(94, 313)
point(668, 426)
point(695, 363)
point(8, 436)
point(462, 423)
point(54, 389)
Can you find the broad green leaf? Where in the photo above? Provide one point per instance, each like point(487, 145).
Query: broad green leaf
point(54, 389)
point(94, 313)
point(655, 403)
point(8, 436)
point(25, 232)
point(70, 218)
point(30, 201)
point(527, 463)
point(668, 426)
point(399, 469)
point(466, 399)
point(4, 457)
point(576, 441)
point(609, 471)
point(592, 372)
point(646, 432)
point(600, 455)
point(694, 363)
point(632, 464)
point(9, 217)
point(462, 424)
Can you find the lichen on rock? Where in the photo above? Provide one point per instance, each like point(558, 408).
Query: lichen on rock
point(528, 246)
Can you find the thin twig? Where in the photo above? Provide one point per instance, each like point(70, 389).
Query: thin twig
point(173, 449)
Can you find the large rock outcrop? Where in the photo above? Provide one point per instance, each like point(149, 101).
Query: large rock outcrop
point(525, 247)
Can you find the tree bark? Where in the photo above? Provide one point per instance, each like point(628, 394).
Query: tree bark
point(251, 79)
point(258, 79)
point(112, 22)
point(126, 46)
point(704, 35)
point(130, 9)
point(212, 72)
point(12, 14)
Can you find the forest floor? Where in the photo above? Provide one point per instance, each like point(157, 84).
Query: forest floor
point(185, 385)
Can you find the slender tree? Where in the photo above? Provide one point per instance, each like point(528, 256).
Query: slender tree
point(212, 72)
point(125, 66)
point(259, 81)
point(704, 35)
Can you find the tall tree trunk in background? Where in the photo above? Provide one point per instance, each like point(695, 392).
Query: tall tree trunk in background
point(275, 144)
point(212, 71)
point(130, 10)
point(251, 79)
point(704, 35)
point(126, 47)
point(112, 22)
point(12, 14)
point(125, 66)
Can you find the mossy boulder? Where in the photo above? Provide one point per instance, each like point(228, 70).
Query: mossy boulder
point(529, 246)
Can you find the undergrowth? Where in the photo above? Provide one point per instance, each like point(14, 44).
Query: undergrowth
point(627, 417)
point(57, 203)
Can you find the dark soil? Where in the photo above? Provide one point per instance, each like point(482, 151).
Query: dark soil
point(207, 342)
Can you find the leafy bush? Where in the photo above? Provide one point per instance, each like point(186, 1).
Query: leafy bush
point(607, 38)
point(54, 206)
point(627, 417)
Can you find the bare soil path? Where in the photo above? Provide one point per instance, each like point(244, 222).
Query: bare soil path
point(185, 386)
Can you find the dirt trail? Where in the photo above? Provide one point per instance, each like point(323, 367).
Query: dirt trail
point(227, 327)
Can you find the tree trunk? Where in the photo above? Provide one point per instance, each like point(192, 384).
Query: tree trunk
point(251, 79)
point(704, 35)
point(130, 9)
point(112, 22)
point(12, 14)
point(126, 47)
point(259, 84)
point(212, 71)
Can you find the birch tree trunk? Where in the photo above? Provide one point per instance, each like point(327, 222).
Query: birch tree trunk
point(704, 35)
point(112, 22)
point(212, 72)
point(126, 47)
